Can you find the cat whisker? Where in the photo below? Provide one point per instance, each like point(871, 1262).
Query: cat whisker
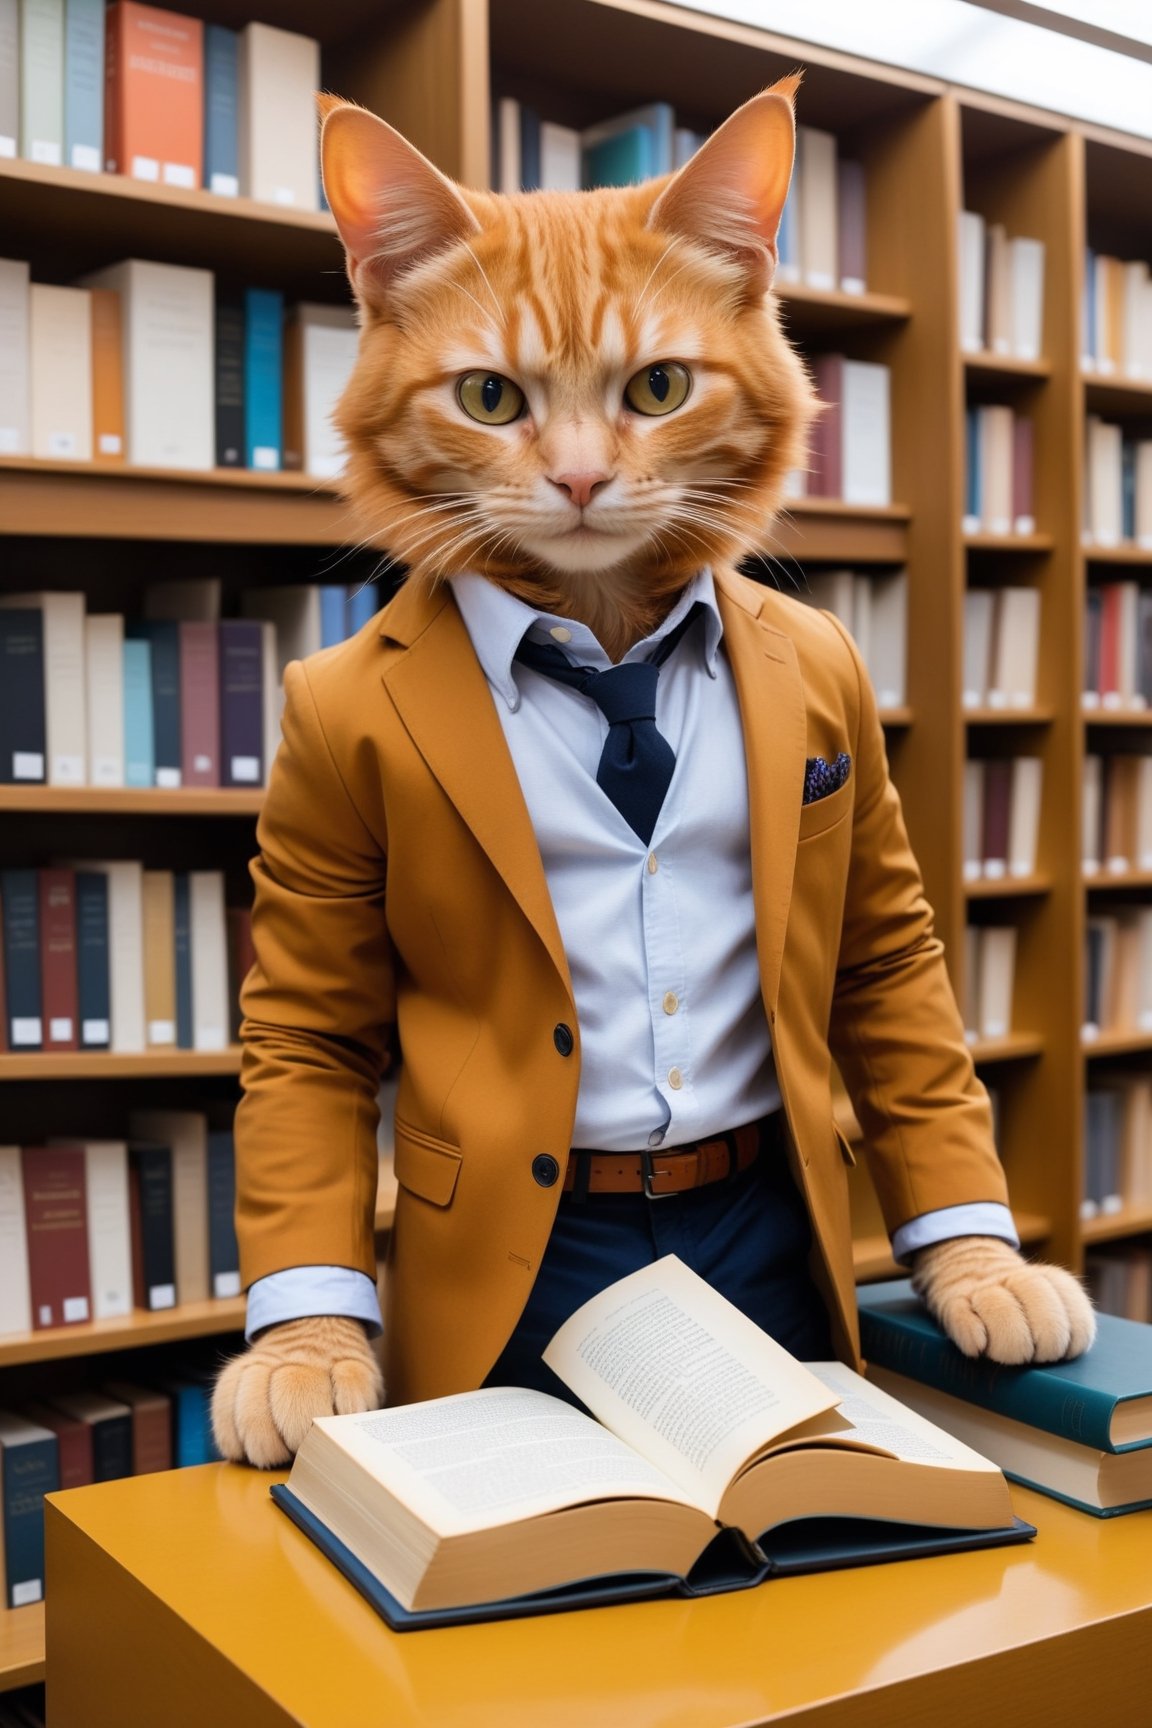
point(672, 244)
point(501, 312)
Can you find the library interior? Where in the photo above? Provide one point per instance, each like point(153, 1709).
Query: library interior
point(450, 1274)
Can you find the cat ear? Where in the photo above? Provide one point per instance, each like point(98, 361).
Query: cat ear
point(392, 207)
point(729, 196)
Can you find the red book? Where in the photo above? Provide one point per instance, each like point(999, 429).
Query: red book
point(997, 817)
point(826, 478)
point(153, 94)
point(74, 1441)
point(200, 704)
point(56, 1219)
point(1023, 510)
point(58, 959)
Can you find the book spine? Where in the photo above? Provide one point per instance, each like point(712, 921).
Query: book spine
point(60, 324)
point(104, 693)
point(29, 1470)
point(241, 703)
point(139, 758)
point(263, 373)
point(333, 615)
point(826, 479)
point(223, 1252)
point(23, 715)
point(56, 1216)
point(153, 1243)
point(1023, 515)
point(151, 1435)
point(160, 93)
point(363, 605)
point(107, 376)
point(163, 635)
point(112, 1448)
point(200, 703)
point(20, 899)
point(182, 922)
point(193, 1426)
point(93, 999)
point(84, 84)
point(209, 946)
point(15, 1303)
point(58, 959)
point(15, 340)
point(9, 85)
point(159, 958)
point(109, 1239)
point(230, 441)
point(73, 1443)
point(42, 81)
point(852, 226)
point(529, 149)
point(221, 145)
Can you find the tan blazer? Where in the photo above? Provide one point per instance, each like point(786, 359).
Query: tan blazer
point(399, 886)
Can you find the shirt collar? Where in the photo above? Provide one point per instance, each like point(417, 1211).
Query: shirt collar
point(497, 623)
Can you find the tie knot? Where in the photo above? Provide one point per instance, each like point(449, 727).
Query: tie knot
point(625, 693)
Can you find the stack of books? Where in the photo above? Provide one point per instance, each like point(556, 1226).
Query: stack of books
point(874, 609)
point(1001, 290)
point(998, 475)
point(1117, 486)
point(1117, 1145)
point(850, 455)
point(160, 96)
point(1080, 1431)
point(1118, 972)
point(1001, 647)
point(1117, 317)
point(989, 980)
point(1001, 817)
point(1118, 647)
point(1117, 814)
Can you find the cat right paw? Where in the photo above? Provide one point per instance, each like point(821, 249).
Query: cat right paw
point(265, 1400)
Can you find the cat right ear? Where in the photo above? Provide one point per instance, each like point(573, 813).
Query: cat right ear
point(392, 207)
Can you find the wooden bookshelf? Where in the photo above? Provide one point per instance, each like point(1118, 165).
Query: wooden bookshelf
point(1006, 367)
point(48, 1065)
point(130, 801)
point(997, 888)
point(21, 1646)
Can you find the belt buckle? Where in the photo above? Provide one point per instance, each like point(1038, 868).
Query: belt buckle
point(649, 1176)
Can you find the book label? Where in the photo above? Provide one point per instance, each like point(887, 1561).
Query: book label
point(265, 456)
point(86, 156)
point(45, 151)
point(110, 444)
point(28, 1590)
point(27, 765)
point(246, 769)
point(226, 1284)
point(59, 1031)
point(75, 1309)
point(145, 168)
point(224, 185)
point(162, 1296)
point(8, 148)
point(161, 1032)
point(95, 1031)
point(169, 778)
point(26, 1030)
point(68, 770)
point(179, 174)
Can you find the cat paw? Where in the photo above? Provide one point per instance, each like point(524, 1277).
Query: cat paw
point(265, 1400)
point(992, 1303)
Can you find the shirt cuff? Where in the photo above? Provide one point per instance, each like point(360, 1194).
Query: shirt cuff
point(984, 1218)
point(306, 1291)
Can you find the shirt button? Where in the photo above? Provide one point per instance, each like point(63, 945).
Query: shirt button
point(675, 1079)
point(545, 1169)
point(563, 1039)
point(671, 1002)
point(559, 634)
point(653, 866)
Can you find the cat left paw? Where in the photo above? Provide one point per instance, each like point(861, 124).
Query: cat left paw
point(992, 1303)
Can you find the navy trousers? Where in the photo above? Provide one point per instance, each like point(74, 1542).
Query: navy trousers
point(748, 1236)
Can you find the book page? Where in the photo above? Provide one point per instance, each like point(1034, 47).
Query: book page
point(885, 1424)
point(679, 1373)
point(480, 1459)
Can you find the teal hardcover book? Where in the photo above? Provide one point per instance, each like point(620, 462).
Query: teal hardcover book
point(84, 84)
point(139, 752)
point(631, 147)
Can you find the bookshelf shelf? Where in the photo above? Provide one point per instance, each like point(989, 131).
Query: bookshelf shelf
point(1122, 1042)
point(130, 801)
point(1008, 716)
point(1112, 1226)
point(811, 311)
point(1006, 366)
point(132, 1331)
point(21, 1646)
point(828, 530)
point(1013, 1048)
point(896, 716)
point(1105, 879)
point(981, 542)
point(1140, 556)
point(1117, 395)
point(1117, 717)
point(995, 889)
point(110, 1065)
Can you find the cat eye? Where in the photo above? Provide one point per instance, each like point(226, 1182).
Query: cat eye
point(487, 397)
point(659, 389)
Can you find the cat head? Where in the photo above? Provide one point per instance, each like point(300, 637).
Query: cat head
point(584, 396)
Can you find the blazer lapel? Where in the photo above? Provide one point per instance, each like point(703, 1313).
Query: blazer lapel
point(443, 699)
point(771, 697)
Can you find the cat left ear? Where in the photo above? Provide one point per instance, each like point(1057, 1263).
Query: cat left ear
point(731, 193)
point(392, 207)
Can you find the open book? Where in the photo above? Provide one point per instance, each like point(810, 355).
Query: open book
point(708, 1438)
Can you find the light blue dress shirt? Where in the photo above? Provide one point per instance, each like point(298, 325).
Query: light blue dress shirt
point(675, 1044)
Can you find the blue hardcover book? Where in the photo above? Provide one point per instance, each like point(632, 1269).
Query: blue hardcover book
point(972, 500)
point(333, 615)
point(529, 149)
point(139, 756)
point(93, 986)
point(263, 385)
point(29, 1469)
point(635, 146)
point(153, 1235)
point(192, 1441)
point(1128, 489)
point(163, 635)
point(229, 345)
point(182, 923)
point(223, 1251)
point(363, 605)
point(23, 732)
point(221, 138)
point(84, 84)
point(20, 906)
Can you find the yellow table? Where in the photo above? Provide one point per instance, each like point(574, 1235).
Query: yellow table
point(186, 1599)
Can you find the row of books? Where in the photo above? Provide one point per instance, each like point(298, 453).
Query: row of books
point(162, 97)
point(1001, 647)
point(158, 366)
point(1118, 972)
point(1117, 1144)
point(1120, 1280)
point(1001, 290)
point(111, 956)
point(94, 1229)
point(874, 610)
point(850, 454)
point(989, 980)
point(181, 697)
point(1116, 316)
point(1116, 813)
point(998, 491)
point(1117, 486)
point(69, 1439)
point(1117, 647)
point(1001, 817)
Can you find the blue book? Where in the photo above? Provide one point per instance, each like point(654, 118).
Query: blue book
point(223, 1251)
point(93, 988)
point(788, 241)
point(363, 605)
point(221, 138)
point(635, 146)
point(23, 733)
point(333, 615)
point(529, 149)
point(139, 758)
point(163, 635)
point(182, 924)
point(263, 383)
point(972, 499)
point(84, 84)
point(153, 1232)
point(192, 1441)
point(1128, 489)
point(29, 1469)
point(20, 911)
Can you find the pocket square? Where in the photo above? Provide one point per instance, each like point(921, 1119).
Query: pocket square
point(821, 777)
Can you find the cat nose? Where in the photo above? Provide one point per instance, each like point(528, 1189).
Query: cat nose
point(580, 487)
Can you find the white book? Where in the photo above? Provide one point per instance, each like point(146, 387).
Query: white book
point(15, 1291)
point(1143, 523)
point(815, 186)
point(15, 366)
point(104, 691)
point(169, 362)
point(271, 694)
point(208, 947)
point(277, 77)
point(834, 591)
point(185, 1132)
point(979, 605)
point(997, 976)
point(1091, 809)
point(1144, 328)
point(1104, 483)
point(1143, 846)
point(60, 328)
point(998, 289)
point(508, 127)
point(42, 81)
point(1102, 334)
point(195, 600)
point(973, 820)
point(971, 239)
point(109, 1228)
point(995, 435)
point(322, 342)
point(9, 80)
point(1024, 815)
point(559, 157)
point(1026, 272)
point(866, 433)
point(64, 667)
point(1132, 336)
point(125, 950)
point(887, 655)
point(1015, 648)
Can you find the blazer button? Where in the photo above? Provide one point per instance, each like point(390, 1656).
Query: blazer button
point(545, 1169)
point(563, 1039)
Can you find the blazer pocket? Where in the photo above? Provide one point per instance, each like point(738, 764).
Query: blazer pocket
point(824, 813)
point(425, 1166)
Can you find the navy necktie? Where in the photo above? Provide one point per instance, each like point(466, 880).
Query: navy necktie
point(637, 763)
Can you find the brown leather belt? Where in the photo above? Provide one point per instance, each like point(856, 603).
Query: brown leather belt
point(658, 1173)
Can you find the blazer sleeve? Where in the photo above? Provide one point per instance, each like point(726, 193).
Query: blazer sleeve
point(895, 1029)
point(317, 1009)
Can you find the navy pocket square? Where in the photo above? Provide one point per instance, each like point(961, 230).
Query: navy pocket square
point(822, 778)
